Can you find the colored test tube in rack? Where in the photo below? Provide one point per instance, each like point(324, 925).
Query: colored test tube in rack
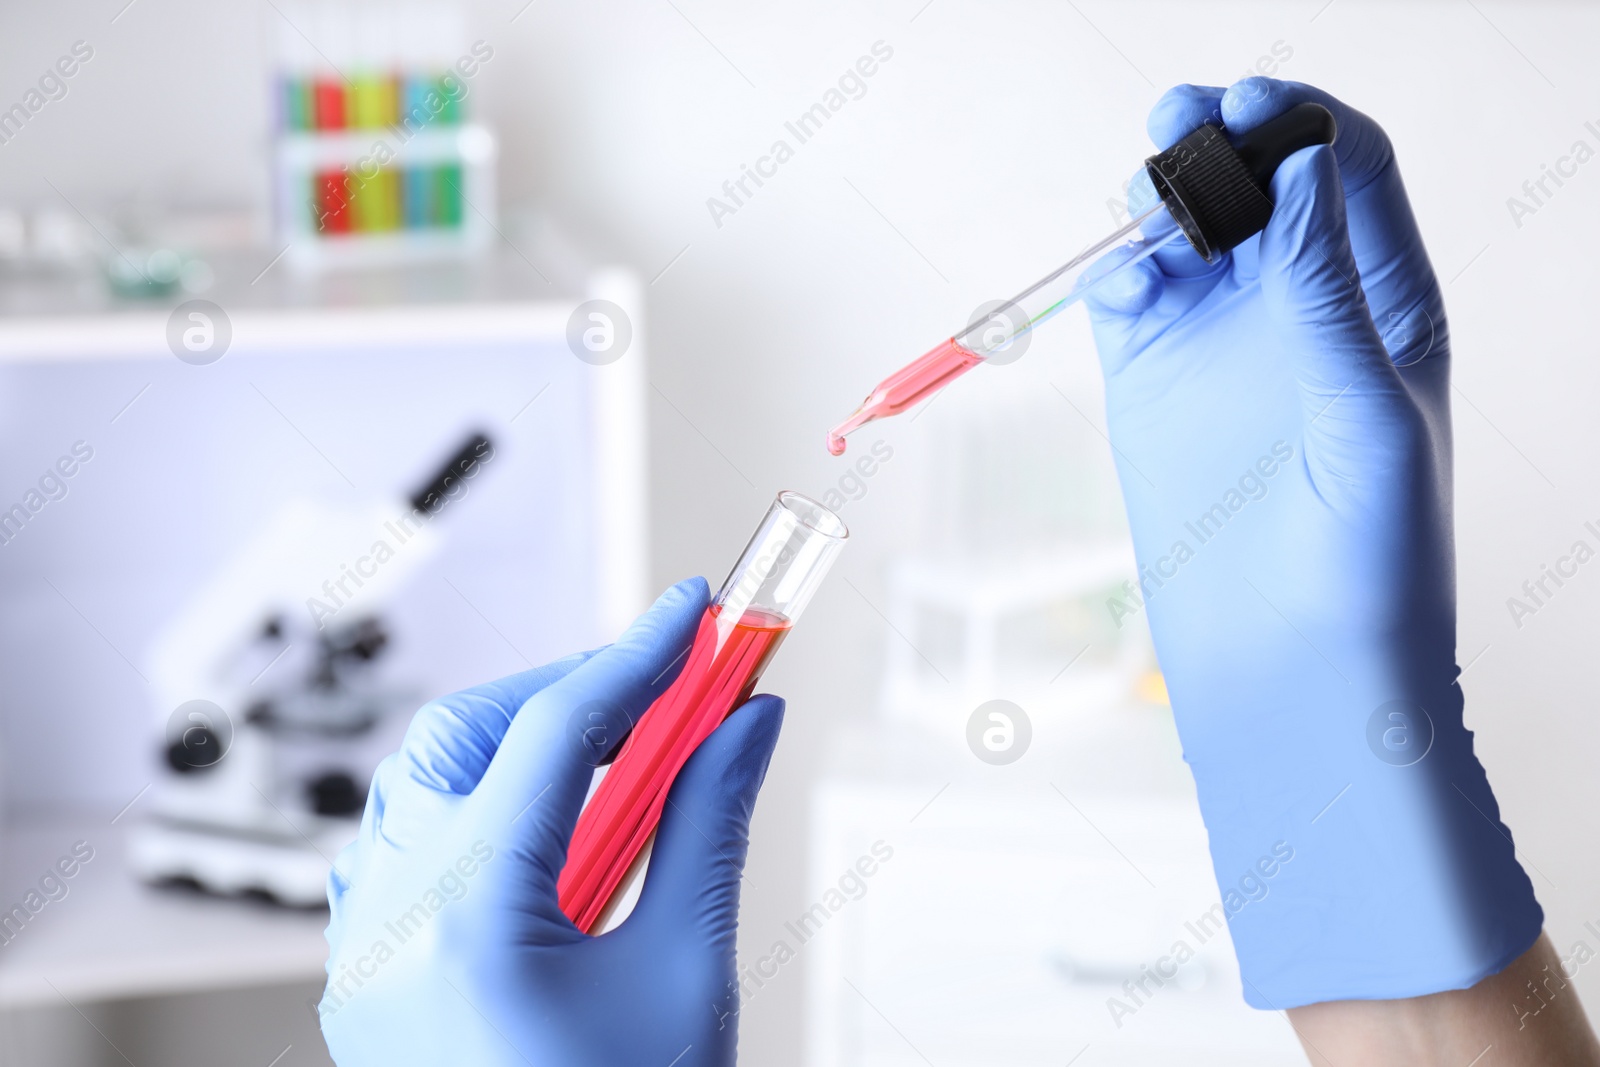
point(397, 198)
point(368, 67)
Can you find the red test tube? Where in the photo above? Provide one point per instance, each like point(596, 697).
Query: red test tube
point(328, 102)
point(758, 605)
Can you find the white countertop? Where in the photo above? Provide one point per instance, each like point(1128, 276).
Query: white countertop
point(111, 937)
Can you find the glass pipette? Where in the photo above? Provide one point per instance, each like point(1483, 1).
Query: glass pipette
point(1214, 189)
point(997, 331)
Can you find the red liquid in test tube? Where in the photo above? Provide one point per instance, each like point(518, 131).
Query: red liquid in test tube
point(739, 633)
point(328, 102)
point(626, 807)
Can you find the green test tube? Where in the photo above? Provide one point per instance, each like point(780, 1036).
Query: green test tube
point(447, 204)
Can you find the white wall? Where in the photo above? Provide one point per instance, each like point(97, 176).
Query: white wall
point(991, 142)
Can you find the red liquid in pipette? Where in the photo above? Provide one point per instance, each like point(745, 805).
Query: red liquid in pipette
point(907, 387)
point(626, 807)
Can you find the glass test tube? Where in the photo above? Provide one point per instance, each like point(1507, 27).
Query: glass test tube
point(747, 620)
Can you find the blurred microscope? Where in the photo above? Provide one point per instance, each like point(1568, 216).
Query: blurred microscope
point(273, 698)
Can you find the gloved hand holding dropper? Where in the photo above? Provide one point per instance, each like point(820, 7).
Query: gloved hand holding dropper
point(1281, 425)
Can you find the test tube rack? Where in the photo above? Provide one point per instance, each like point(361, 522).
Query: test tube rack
point(376, 159)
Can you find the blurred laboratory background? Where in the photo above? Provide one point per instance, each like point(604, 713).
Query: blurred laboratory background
point(587, 312)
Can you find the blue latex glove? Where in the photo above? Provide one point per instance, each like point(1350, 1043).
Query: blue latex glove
point(1282, 429)
point(448, 945)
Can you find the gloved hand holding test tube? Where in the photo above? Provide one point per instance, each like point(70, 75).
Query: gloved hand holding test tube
point(451, 931)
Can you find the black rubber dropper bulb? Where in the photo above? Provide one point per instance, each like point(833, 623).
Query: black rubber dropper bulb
point(1219, 187)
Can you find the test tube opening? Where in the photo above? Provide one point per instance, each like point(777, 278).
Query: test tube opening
point(784, 563)
point(813, 515)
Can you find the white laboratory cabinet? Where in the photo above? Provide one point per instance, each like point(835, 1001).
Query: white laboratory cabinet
point(346, 388)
